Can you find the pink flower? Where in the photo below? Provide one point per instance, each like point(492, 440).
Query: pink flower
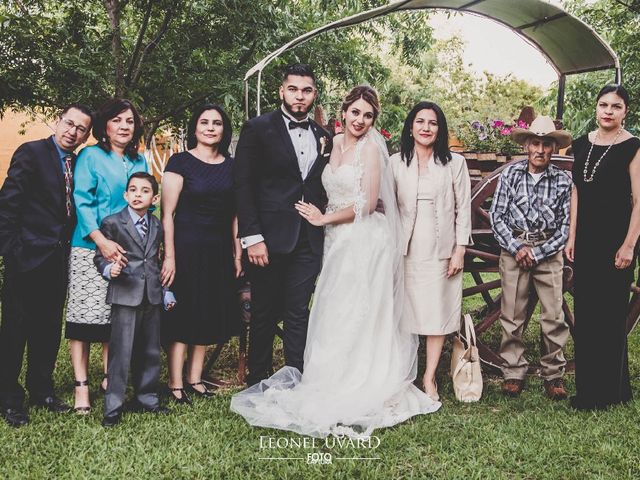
point(522, 124)
point(497, 124)
point(385, 134)
point(506, 131)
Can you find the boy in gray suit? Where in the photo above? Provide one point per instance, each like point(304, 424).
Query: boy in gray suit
point(135, 294)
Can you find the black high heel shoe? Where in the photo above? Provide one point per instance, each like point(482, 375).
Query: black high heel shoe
point(184, 398)
point(206, 393)
point(81, 410)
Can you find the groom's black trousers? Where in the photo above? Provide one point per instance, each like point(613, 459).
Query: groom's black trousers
point(281, 291)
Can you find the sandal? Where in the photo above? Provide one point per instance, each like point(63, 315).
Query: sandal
point(85, 410)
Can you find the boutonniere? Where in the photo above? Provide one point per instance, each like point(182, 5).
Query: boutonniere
point(323, 145)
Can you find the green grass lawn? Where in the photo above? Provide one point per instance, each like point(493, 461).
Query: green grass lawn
point(529, 437)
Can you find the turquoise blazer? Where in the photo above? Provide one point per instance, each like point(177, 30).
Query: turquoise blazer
point(100, 179)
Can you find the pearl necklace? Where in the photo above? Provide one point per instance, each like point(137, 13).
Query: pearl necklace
point(588, 179)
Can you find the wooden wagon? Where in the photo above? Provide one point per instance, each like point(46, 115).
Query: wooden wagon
point(483, 257)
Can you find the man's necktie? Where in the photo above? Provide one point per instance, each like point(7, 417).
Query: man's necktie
point(68, 183)
point(304, 124)
point(144, 228)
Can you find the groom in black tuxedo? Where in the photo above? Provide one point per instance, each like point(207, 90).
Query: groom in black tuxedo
point(279, 160)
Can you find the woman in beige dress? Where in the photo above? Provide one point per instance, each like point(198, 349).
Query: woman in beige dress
point(433, 192)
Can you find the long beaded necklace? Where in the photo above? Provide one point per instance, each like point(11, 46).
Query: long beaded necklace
point(589, 179)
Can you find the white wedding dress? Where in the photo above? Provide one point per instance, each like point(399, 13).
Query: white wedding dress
point(358, 366)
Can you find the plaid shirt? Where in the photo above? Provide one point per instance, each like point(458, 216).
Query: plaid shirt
point(520, 203)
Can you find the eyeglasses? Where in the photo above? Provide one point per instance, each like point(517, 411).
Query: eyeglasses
point(70, 126)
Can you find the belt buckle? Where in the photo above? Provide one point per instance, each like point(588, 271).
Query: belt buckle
point(534, 236)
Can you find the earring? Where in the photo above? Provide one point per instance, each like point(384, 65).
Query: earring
point(410, 134)
point(104, 140)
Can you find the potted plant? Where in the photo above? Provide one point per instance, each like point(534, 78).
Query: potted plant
point(506, 147)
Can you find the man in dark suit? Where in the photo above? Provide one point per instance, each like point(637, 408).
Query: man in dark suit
point(37, 217)
point(279, 161)
point(135, 295)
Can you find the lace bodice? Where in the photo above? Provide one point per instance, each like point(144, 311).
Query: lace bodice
point(339, 185)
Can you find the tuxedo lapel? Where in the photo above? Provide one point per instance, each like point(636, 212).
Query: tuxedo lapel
point(322, 151)
point(279, 125)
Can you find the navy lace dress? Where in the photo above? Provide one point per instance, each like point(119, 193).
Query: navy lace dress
point(207, 311)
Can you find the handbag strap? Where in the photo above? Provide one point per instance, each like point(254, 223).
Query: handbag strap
point(469, 337)
point(469, 330)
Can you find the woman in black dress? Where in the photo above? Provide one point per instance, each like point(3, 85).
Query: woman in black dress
point(605, 224)
point(202, 253)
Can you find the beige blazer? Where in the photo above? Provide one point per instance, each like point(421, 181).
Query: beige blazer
point(452, 204)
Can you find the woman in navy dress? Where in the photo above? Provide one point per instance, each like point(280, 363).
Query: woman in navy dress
point(202, 252)
point(605, 224)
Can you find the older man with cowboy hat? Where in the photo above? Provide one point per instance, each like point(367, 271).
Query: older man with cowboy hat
point(530, 220)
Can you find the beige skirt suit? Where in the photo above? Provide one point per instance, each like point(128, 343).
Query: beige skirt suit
point(435, 210)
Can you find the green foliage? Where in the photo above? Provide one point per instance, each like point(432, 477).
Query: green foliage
point(168, 56)
point(441, 76)
point(618, 22)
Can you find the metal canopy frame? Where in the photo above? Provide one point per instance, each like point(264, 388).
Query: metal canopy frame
point(568, 44)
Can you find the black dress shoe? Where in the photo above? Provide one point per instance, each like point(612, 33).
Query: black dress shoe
point(136, 407)
point(183, 399)
point(15, 417)
point(206, 393)
point(52, 403)
point(159, 410)
point(111, 420)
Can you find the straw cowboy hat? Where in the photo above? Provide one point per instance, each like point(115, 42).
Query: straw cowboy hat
point(542, 126)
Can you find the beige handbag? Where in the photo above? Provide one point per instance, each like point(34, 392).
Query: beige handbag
point(465, 364)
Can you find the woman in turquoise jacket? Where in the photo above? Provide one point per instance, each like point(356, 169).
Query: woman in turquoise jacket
point(100, 179)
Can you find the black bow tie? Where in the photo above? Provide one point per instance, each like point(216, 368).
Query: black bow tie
point(304, 124)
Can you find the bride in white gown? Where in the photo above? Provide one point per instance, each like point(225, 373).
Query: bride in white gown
point(359, 366)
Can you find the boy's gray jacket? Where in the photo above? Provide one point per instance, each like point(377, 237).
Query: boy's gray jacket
point(142, 272)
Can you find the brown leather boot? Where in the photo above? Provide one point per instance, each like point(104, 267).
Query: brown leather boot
point(555, 389)
point(512, 387)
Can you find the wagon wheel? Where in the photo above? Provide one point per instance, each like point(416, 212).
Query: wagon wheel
point(483, 257)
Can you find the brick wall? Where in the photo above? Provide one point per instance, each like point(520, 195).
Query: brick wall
point(10, 138)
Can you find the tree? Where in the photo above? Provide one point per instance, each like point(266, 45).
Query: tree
point(169, 55)
point(619, 24)
point(441, 76)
